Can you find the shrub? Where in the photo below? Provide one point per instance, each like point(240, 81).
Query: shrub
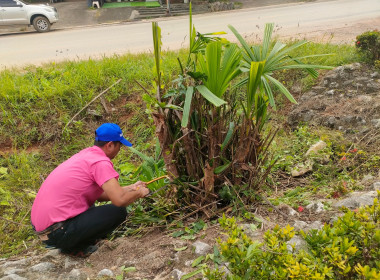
point(348, 249)
point(368, 44)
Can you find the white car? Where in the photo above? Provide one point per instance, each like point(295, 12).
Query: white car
point(16, 12)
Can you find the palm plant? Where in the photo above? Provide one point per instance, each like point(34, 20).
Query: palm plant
point(205, 140)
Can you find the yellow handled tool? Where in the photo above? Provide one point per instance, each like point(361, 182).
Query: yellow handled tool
point(156, 179)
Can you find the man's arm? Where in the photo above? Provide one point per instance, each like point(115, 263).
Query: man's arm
point(122, 196)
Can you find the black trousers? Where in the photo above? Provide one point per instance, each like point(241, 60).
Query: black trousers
point(81, 231)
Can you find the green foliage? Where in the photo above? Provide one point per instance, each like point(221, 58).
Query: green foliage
point(20, 175)
point(190, 232)
point(368, 44)
point(349, 249)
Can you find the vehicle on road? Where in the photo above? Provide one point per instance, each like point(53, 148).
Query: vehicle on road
point(16, 12)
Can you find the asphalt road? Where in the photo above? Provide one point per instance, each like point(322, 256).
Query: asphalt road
point(335, 21)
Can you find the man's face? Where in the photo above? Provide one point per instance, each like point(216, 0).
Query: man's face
point(113, 149)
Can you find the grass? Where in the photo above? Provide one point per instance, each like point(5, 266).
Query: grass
point(37, 102)
point(130, 4)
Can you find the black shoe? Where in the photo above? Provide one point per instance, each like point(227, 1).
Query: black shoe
point(81, 253)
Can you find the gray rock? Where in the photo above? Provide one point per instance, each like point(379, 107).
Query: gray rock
point(105, 272)
point(70, 263)
point(43, 267)
point(373, 86)
point(367, 178)
point(348, 83)
point(201, 248)
point(288, 210)
point(300, 225)
point(330, 92)
point(302, 168)
point(51, 254)
point(376, 186)
point(17, 263)
point(331, 122)
point(335, 218)
point(316, 225)
point(251, 230)
point(376, 123)
point(14, 271)
point(176, 274)
point(77, 274)
point(356, 200)
point(296, 244)
point(375, 75)
point(316, 207)
point(13, 277)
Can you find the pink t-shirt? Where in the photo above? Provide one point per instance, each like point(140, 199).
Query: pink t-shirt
point(72, 187)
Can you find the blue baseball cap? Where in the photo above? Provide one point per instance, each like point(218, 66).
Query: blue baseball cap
point(111, 132)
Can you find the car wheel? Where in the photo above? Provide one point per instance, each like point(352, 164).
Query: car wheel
point(41, 24)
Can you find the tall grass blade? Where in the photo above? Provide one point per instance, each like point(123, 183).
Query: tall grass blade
point(157, 50)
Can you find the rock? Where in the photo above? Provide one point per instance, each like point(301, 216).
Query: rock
point(302, 168)
point(70, 263)
point(320, 145)
point(316, 207)
point(316, 225)
point(14, 271)
point(376, 186)
point(251, 231)
point(77, 274)
point(288, 210)
point(189, 263)
point(376, 123)
point(22, 262)
point(335, 218)
point(296, 244)
point(159, 262)
point(375, 75)
point(201, 248)
point(300, 225)
point(51, 254)
point(13, 277)
point(356, 200)
point(176, 274)
point(43, 267)
point(105, 272)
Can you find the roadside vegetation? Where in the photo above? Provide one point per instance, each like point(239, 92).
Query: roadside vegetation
point(237, 156)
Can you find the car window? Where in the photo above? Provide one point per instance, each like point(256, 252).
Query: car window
point(9, 3)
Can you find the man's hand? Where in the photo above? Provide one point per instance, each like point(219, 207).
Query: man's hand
point(138, 187)
point(123, 196)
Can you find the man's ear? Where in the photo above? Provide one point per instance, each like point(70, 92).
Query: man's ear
point(109, 144)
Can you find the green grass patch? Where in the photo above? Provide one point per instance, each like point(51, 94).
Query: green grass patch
point(130, 4)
